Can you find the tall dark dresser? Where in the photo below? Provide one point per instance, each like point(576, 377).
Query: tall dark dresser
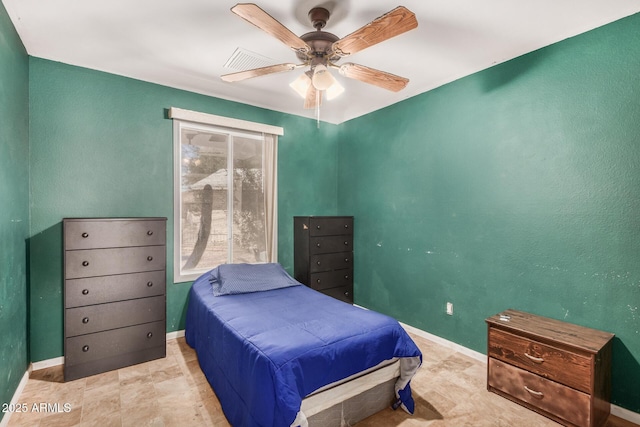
point(323, 254)
point(114, 293)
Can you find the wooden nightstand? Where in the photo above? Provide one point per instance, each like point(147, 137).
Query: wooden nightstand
point(557, 369)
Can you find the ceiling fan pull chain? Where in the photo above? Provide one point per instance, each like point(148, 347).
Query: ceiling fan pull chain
point(318, 109)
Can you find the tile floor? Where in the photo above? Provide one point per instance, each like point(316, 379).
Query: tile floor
point(449, 390)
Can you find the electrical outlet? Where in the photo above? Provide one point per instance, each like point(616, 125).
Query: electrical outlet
point(450, 308)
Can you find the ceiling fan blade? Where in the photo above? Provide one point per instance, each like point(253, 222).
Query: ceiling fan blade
point(313, 99)
point(257, 72)
point(391, 24)
point(267, 23)
point(375, 77)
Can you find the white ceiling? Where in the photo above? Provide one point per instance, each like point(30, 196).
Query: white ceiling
point(185, 44)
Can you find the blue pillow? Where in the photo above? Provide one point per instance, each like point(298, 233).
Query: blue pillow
point(228, 279)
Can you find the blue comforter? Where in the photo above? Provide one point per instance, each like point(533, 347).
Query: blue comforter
point(263, 352)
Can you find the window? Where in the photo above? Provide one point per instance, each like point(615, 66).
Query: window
point(225, 193)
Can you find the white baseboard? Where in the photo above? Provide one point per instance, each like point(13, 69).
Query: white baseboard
point(441, 341)
point(446, 343)
point(625, 414)
point(56, 361)
point(619, 412)
point(175, 334)
point(16, 397)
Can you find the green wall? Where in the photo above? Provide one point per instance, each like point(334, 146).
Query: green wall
point(14, 207)
point(517, 187)
point(514, 187)
point(102, 146)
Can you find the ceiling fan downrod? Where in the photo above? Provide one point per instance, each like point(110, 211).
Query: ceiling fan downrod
point(319, 17)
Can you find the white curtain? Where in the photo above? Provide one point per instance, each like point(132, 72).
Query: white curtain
point(270, 174)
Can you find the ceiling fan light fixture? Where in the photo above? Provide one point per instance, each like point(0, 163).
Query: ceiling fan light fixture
point(301, 85)
point(322, 78)
point(334, 91)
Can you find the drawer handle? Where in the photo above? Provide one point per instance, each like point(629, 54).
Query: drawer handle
point(534, 359)
point(85, 320)
point(318, 281)
point(346, 276)
point(318, 262)
point(149, 258)
point(149, 284)
point(318, 227)
point(346, 294)
point(149, 233)
point(318, 244)
point(346, 243)
point(346, 260)
point(85, 348)
point(85, 263)
point(85, 292)
point(537, 394)
point(149, 335)
point(85, 235)
point(346, 226)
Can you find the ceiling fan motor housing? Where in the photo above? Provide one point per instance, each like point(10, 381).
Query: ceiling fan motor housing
point(319, 41)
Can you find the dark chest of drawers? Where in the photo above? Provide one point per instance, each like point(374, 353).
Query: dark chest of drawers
point(323, 254)
point(114, 293)
point(555, 368)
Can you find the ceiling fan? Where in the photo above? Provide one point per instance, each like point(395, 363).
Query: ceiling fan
point(320, 50)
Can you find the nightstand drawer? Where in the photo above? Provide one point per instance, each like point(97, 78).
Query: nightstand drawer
point(102, 262)
point(107, 344)
point(330, 244)
point(330, 226)
point(329, 262)
point(87, 234)
point(103, 289)
point(94, 318)
point(331, 279)
point(548, 361)
point(558, 369)
point(556, 399)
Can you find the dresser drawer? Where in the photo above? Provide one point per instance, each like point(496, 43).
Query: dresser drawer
point(331, 279)
point(94, 318)
point(327, 262)
point(88, 234)
point(330, 226)
point(329, 244)
point(102, 289)
point(343, 293)
point(556, 399)
point(101, 262)
point(103, 345)
point(548, 361)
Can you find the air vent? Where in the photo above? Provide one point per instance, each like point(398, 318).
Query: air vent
point(243, 59)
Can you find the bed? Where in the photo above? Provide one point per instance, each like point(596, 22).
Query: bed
point(266, 344)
